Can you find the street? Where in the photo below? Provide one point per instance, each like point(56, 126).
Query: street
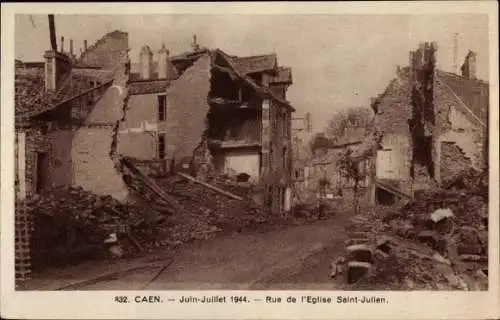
point(296, 257)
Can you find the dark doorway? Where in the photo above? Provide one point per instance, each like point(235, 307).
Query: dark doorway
point(41, 171)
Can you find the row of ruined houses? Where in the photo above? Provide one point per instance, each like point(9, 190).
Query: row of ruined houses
point(203, 111)
point(428, 126)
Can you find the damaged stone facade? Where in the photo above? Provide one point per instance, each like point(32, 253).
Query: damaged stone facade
point(66, 121)
point(65, 142)
point(433, 123)
point(221, 115)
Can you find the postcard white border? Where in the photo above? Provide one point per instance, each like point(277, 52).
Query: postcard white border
point(99, 304)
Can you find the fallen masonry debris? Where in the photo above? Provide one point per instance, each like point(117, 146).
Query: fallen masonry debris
point(73, 224)
point(431, 242)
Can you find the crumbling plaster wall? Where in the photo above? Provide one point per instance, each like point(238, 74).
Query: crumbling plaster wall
point(243, 161)
point(454, 126)
point(187, 110)
point(55, 143)
point(391, 120)
point(95, 142)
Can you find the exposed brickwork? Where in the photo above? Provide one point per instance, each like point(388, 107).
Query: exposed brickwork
point(187, 110)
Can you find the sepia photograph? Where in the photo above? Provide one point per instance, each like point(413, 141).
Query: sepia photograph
point(183, 161)
point(326, 152)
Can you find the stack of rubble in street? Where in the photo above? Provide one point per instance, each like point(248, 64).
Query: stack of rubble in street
point(439, 240)
point(221, 205)
point(72, 224)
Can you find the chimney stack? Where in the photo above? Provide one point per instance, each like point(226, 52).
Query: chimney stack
point(469, 66)
point(163, 63)
point(84, 45)
point(195, 46)
point(146, 62)
point(62, 45)
point(57, 69)
point(71, 47)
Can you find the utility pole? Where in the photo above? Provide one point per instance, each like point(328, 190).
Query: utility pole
point(52, 30)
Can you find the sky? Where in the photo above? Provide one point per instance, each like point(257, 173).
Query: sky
point(338, 61)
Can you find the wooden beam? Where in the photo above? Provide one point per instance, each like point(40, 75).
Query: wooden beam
point(209, 186)
point(151, 185)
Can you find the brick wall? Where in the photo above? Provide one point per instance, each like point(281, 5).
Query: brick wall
point(187, 109)
point(106, 51)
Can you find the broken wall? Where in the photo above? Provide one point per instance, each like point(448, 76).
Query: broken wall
point(460, 139)
point(187, 110)
point(453, 160)
point(393, 111)
point(95, 141)
point(134, 142)
point(423, 122)
point(243, 161)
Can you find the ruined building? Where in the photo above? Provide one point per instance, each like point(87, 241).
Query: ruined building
point(67, 110)
point(66, 114)
point(212, 114)
point(432, 123)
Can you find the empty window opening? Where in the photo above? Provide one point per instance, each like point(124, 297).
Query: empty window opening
point(41, 171)
point(161, 147)
point(162, 108)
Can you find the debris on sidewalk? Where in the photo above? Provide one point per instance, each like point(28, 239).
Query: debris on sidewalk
point(436, 241)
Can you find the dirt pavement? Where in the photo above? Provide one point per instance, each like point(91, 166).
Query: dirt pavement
point(295, 257)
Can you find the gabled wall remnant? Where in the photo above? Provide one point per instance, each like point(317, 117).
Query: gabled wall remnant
point(95, 143)
point(106, 51)
point(187, 110)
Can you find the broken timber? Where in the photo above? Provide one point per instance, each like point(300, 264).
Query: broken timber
point(151, 184)
point(392, 190)
point(229, 194)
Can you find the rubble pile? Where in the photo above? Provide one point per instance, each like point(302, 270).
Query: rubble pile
point(439, 240)
point(206, 211)
point(72, 224)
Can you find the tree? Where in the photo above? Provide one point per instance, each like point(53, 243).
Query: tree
point(319, 141)
point(347, 118)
